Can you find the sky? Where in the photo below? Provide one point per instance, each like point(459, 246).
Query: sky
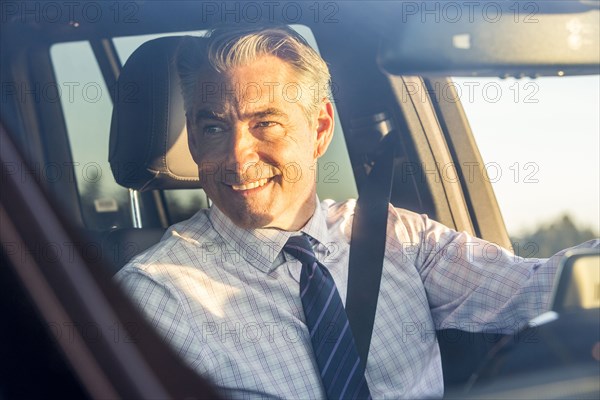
point(543, 136)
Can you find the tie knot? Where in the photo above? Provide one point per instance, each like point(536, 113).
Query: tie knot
point(300, 247)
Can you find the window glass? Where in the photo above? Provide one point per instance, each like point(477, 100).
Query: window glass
point(87, 110)
point(539, 140)
point(335, 179)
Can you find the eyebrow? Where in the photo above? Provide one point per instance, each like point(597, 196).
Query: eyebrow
point(268, 112)
point(208, 114)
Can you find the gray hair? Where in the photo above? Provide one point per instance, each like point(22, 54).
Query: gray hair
point(227, 47)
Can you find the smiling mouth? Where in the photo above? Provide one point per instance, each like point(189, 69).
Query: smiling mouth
point(250, 185)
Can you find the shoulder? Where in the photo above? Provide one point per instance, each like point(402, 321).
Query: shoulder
point(335, 210)
point(338, 209)
point(403, 225)
point(178, 242)
point(338, 216)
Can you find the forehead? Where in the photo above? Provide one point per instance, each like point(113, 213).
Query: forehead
point(268, 79)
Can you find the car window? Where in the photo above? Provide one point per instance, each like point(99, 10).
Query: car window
point(87, 109)
point(88, 114)
point(540, 145)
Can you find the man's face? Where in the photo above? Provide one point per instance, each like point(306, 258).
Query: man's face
point(254, 146)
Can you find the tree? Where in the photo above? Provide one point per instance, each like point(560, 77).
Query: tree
point(549, 238)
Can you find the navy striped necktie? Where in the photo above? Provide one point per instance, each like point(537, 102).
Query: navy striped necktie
point(330, 334)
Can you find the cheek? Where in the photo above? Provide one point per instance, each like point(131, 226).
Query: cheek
point(207, 172)
point(206, 151)
point(199, 154)
point(299, 170)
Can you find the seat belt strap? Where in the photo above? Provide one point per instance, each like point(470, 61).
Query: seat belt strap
point(367, 248)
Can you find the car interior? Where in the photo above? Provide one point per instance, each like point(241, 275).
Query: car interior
point(96, 167)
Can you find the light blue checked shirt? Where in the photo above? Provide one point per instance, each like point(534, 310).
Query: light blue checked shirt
point(228, 301)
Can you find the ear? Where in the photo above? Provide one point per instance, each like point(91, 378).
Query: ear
point(324, 128)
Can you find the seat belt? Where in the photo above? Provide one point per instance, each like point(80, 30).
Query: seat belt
point(367, 247)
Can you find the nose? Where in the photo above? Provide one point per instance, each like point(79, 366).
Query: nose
point(242, 153)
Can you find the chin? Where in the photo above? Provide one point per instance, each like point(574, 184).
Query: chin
point(251, 221)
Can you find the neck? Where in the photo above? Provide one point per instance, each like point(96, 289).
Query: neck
point(298, 221)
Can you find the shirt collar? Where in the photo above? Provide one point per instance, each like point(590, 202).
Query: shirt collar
point(260, 247)
point(316, 228)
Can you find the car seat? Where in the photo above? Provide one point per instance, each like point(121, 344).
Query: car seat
point(148, 139)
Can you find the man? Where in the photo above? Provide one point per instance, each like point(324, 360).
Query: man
point(233, 289)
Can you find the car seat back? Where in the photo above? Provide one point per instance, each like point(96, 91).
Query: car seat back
point(148, 138)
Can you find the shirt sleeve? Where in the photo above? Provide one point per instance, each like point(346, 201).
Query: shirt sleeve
point(160, 307)
point(475, 285)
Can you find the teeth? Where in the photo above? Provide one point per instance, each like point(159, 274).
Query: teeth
point(250, 185)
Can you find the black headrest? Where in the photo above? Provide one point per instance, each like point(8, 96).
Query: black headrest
point(148, 137)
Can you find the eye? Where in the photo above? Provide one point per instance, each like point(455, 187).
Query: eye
point(212, 130)
point(265, 124)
